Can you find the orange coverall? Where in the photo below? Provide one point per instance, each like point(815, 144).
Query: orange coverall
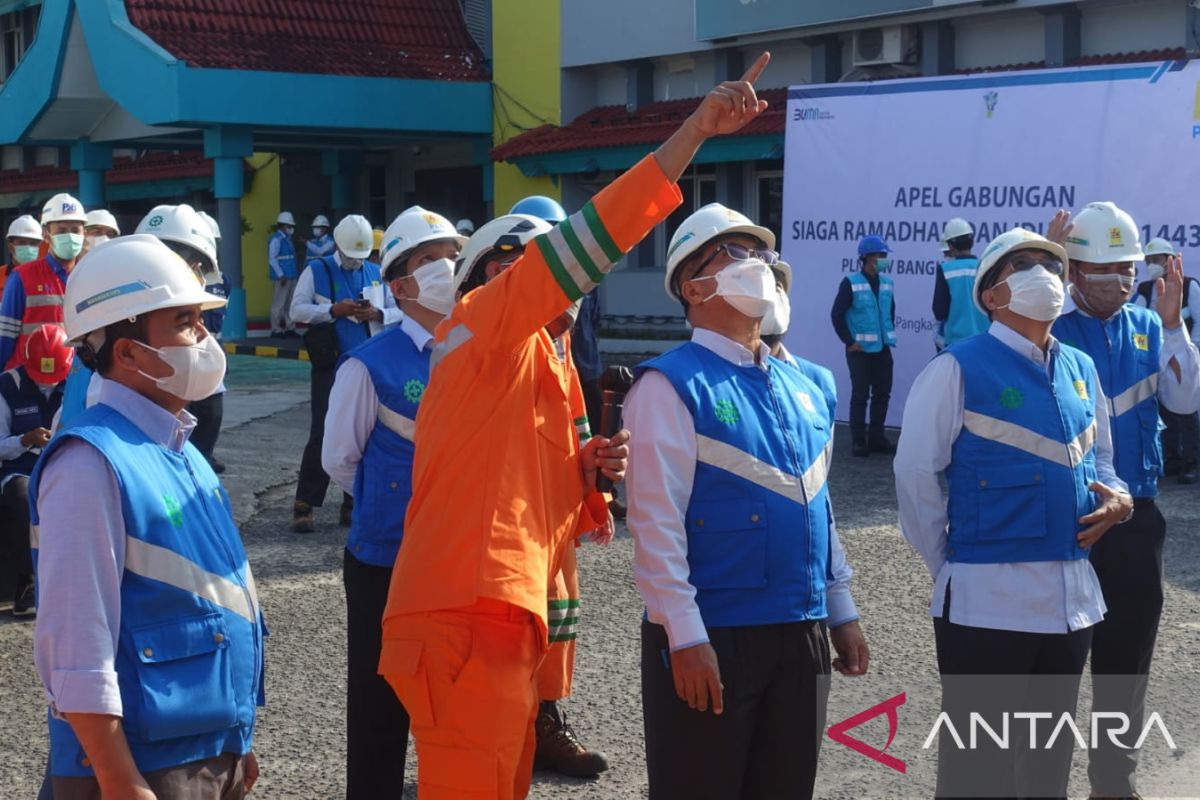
point(498, 493)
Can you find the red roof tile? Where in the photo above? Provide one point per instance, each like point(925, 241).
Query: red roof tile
point(1139, 57)
point(155, 165)
point(614, 126)
point(371, 38)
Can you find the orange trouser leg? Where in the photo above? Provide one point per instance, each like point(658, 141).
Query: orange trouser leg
point(466, 678)
point(558, 670)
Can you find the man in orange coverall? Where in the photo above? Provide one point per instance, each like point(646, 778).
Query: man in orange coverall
point(501, 484)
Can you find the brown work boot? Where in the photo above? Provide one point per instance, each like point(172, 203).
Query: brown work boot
point(302, 518)
point(559, 750)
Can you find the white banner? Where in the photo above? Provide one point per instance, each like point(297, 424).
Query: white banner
point(899, 158)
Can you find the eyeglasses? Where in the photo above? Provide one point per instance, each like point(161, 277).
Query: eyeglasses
point(738, 253)
point(1027, 260)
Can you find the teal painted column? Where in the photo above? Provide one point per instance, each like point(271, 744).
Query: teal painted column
point(344, 170)
point(227, 146)
point(91, 160)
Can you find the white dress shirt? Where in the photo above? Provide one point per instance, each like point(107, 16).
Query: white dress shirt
point(662, 469)
point(10, 444)
point(1193, 306)
point(1035, 597)
point(353, 410)
point(312, 308)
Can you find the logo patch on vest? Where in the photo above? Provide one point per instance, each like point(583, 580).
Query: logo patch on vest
point(806, 401)
point(1141, 341)
point(726, 412)
point(174, 512)
point(1081, 390)
point(1011, 399)
point(414, 390)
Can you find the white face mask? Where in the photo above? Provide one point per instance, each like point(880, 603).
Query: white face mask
point(198, 369)
point(1035, 294)
point(779, 316)
point(318, 233)
point(95, 239)
point(351, 264)
point(1154, 271)
point(435, 285)
point(748, 286)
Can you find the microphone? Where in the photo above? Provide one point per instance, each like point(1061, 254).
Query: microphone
point(614, 384)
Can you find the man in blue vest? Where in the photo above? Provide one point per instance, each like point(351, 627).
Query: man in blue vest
point(346, 292)
point(30, 395)
point(953, 284)
point(1018, 424)
point(368, 451)
point(283, 271)
point(1145, 360)
point(321, 244)
point(864, 318)
point(736, 555)
point(150, 639)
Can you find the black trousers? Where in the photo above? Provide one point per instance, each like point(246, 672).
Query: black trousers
point(870, 378)
point(1180, 439)
point(208, 413)
point(14, 513)
point(1129, 562)
point(766, 743)
point(993, 672)
point(314, 481)
point(376, 722)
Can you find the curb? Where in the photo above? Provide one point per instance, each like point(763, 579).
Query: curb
point(265, 351)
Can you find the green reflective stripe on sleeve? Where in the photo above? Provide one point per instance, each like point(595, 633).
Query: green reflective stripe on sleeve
point(565, 637)
point(557, 269)
point(560, 604)
point(577, 250)
point(596, 226)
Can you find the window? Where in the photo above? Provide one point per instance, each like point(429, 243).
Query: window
point(377, 195)
point(699, 188)
point(16, 32)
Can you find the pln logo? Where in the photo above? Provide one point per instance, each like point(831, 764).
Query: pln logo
point(989, 102)
point(1196, 114)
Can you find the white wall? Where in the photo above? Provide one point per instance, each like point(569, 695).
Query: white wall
point(611, 85)
point(999, 39)
point(689, 75)
point(1132, 25)
point(791, 63)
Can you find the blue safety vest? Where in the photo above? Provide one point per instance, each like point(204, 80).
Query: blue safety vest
point(870, 317)
point(383, 483)
point(965, 320)
point(347, 284)
point(30, 410)
point(189, 653)
point(319, 248)
point(1126, 349)
point(286, 258)
point(1020, 469)
point(822, 377)
point(75, 395)
point(758, 520)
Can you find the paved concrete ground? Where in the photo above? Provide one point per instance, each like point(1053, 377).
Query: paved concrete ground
point(300, 741)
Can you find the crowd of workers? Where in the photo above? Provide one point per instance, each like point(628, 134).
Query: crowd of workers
point(430, 341)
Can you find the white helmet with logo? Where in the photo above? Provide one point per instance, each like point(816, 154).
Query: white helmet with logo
point(102, 217)
point(353, 236)
point(183, 225)
point(320, 221)
point(127, 277)
point(465, 227)
point(24, 227)
point(512, 232)
point(414, 227)
point(285, 218)
point(955, 228)
point(1010, 242)
point(63, 208)
point(703, 226)
point(1155, 247)
point(1104, 234)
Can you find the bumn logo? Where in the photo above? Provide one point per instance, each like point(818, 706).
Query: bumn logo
point(839, 733)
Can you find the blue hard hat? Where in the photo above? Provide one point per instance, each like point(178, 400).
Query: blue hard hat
point(872, 244)
point(542, 207)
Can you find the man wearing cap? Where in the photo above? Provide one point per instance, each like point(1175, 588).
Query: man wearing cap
point(283, 271)
point(35, 298)
point(954, 282)
point(368, 452)
point(344, 292)
point(149, 641)
point(864, 318)
point(321, 244)
point(1018, 425)
point(742, 575)
point(23, 239)
point(1145, 362)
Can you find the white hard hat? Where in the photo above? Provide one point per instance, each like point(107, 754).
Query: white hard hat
point(353, 236)
point(415, 226)
point(1010, 242)
point(183, 225)
point(945, 248)
point(24, 227)
point(285, 218)
point(955, 228)
point(125, 278)
point(1155, 247)
point(783, 271)
point(703, 226)
point(320, 221)
point(102, 216)
point(63, 208)
point(465, 227)
point(1104, 234)
point(510, 232)
point(212, 225)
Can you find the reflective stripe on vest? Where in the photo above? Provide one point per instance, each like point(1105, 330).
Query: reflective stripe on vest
point(959, 273)
point(397, 423)
point(166, 566)
point(998, 430)
point(457, 336)
point(1144, 389)
point(44, 300)
point(739, 462)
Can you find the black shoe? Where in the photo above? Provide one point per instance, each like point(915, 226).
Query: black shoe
point(881, 444)
point(23, 602)
point(345, 515)
point(303, 520)
point(1188, 476)
point(861, 449)
point(559, 750)
point(218, 466)
point(617, 508)
point(1170, 467)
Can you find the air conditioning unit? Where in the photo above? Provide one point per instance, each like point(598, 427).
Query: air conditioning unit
point(895, 44)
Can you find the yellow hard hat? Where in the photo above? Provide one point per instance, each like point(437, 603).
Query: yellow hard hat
point(377, 238)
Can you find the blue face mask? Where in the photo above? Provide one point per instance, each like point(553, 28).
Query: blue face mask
point(883, 265)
